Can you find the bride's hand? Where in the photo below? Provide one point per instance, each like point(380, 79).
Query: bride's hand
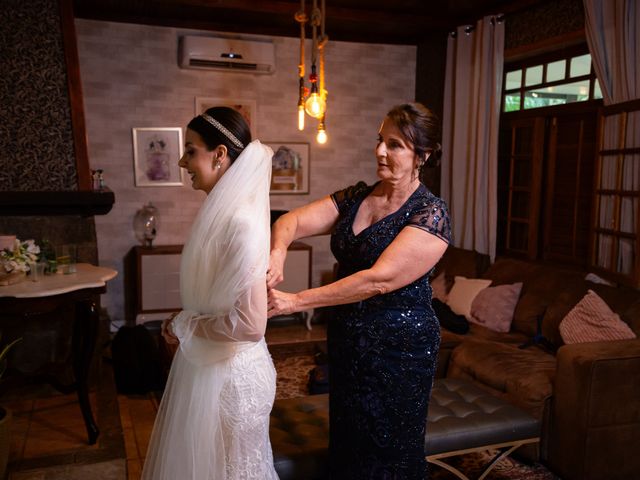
point(280, 303)
point(275, 273)
point(167, 330)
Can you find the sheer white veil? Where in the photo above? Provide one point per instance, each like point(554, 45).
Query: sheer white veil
point(226, 254)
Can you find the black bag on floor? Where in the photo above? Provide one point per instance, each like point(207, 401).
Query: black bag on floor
point(136, 361)
point(319, 380)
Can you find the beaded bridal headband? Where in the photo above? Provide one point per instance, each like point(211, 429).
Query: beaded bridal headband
point(223, 130)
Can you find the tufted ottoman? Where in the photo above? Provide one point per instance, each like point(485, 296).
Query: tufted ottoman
point(299, 432)
point(462, 418)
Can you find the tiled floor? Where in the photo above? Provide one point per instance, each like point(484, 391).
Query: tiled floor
point(52, 428)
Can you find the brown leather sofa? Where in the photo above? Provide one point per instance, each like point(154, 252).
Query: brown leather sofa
point(586, 395)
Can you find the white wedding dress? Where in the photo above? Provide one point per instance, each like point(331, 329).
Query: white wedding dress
point(213, 420)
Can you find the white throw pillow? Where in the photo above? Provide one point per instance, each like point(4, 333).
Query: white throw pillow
point(463, 292)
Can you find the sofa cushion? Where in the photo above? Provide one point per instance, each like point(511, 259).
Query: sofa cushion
point(541, 285)
point(591, 320)
point(493, 307)
point(523, 376)
point(529, 310)
point(459, 261)
point(463, 292)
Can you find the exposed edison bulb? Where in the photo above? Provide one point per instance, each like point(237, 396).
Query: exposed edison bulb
point(315, 105)
point(300, 117)
point(322, 136)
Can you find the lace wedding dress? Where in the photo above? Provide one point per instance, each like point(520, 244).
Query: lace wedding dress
point(213, 421)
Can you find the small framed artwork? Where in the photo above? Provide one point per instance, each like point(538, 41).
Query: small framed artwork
point(156, 152)
point(246, 107)
point(289, 168)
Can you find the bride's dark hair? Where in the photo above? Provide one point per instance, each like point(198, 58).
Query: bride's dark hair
point(230, 119)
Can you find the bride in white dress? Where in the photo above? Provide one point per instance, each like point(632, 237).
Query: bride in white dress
point(213, 421)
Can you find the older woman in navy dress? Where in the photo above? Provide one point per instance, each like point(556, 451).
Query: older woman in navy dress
point(383, 337)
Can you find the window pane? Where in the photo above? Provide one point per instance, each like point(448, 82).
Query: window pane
point(537, 99)
point(603, 251)
point(511, 102)
point(607, 219)
point(557, 95)
point(628, 214)
point(555, 70)
point(513, 80)
point(597, 93)
point(609, 174)
point(533, 75)
point(580, 65)
point(626, 256)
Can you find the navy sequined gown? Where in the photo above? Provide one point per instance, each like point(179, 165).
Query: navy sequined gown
point(383, 350)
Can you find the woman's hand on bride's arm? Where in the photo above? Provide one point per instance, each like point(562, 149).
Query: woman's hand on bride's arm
point(275, 273)
point(280, 303)
point(167, 330)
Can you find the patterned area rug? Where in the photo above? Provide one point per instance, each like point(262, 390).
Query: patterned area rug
point(293, 364)
point(508, 468)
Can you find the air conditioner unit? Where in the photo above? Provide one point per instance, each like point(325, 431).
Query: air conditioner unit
point(227, 54)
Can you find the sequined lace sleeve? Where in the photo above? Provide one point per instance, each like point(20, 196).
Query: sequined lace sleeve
point(344, 199)
point(432, 215)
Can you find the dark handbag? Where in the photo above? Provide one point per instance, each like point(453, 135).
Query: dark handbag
point(136, 361)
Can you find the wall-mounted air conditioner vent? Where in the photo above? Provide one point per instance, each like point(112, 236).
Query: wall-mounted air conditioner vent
point(226, 54)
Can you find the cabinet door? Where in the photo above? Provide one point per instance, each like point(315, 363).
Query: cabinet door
point(160, 282)
point(520, 175)
point(616, 242)
point(569, 187)
point(297, 269)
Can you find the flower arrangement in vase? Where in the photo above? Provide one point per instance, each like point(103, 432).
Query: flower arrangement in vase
point(15, 261)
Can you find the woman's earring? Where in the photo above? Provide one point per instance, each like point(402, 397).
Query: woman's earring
point(218, 164)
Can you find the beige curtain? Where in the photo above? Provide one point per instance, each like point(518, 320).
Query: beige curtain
point(613, 35)
point(473, 85)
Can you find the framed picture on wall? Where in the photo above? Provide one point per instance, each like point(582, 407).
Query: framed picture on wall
point(289, 168)
point(246, 107)
point(156, 152)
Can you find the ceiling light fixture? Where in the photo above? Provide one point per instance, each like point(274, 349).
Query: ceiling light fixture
point(313, 101)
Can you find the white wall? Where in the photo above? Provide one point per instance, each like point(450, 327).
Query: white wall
point(130, 78)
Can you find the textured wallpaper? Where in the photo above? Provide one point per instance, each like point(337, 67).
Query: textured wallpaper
point(551, 19)
point(36, 141)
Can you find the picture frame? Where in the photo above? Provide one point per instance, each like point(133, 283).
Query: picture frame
point(290, 168)
point(156, 152)
point(246, 107)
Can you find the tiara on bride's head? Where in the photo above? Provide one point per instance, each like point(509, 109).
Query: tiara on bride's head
point(223, 130)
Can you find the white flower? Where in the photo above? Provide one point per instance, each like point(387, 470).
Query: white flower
point(32, 247)
point(19, 258)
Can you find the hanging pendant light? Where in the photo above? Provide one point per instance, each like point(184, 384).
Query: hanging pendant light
point(315, 105)
point(313, 102)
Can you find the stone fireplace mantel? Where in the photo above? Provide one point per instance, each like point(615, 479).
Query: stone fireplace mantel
point(84, 203)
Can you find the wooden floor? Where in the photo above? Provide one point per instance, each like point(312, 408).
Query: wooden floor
point(52, 427)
